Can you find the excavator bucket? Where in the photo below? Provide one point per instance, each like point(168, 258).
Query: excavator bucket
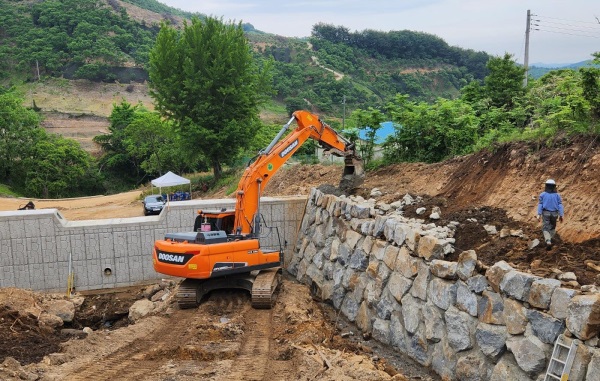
point(353, 176)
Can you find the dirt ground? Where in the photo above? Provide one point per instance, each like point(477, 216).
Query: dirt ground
point(301, 339)
point(224, 339)
point(122, 205)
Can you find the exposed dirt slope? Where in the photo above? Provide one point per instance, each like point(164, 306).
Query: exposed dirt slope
point(510, 178)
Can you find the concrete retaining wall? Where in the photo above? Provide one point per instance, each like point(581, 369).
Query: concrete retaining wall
point(466, 321)
point(35, 245)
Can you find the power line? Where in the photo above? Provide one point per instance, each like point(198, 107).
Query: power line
point(570, 34)
point(568, 27)
point(596, 28)
point(555, 18)
point(559, 28)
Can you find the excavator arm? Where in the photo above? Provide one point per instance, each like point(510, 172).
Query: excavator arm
point(257, 175)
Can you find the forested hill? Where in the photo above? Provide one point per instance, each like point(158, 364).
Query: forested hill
point(109, 40)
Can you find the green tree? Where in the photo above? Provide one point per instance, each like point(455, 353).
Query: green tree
point(368, 121)
point(116, 161)
point(205, 81)
point(58, 167)
point(504, 83)
point(40, 164)
point(557, 102)
point(19, 129)
point(430, 133)
point(590, 81)
point(155, 145)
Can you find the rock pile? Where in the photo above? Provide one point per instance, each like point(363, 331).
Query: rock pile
point(388, 274)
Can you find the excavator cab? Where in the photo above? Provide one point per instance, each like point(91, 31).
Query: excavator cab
point(212, 220)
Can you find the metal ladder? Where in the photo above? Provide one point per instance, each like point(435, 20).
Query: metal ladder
point(561, 360)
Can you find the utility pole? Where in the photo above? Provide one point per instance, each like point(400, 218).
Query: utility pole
point(526, 60)
point(344, 113)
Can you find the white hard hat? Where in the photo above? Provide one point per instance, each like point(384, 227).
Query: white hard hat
point(551, 182)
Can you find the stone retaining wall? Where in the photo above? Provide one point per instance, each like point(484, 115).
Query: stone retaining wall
point(387, 274)
point(35, 245)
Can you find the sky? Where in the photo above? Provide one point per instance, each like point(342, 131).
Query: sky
point(563, 31)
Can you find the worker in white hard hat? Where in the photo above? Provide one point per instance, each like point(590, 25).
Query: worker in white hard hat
point(550, 208)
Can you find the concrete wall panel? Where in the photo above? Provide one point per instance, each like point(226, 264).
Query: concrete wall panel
point(36, 246)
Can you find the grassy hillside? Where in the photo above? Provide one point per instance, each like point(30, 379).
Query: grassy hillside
point(107, 41)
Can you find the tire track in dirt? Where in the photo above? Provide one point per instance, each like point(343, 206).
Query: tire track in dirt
point(177, 344)
point(253, 359)
point(128, 362)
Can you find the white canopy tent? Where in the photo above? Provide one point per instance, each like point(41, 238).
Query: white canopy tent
point(170, 179)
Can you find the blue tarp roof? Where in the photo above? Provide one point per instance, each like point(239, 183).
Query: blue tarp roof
point(387, 129)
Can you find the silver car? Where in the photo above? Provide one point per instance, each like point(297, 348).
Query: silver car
point(153, 204)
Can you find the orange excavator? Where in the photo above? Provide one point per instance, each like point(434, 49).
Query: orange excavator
point(224, 250)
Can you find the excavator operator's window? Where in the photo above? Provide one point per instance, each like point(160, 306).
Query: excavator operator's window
point(227, 224)
point(223, 223)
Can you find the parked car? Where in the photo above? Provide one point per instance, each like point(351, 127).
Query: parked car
point(153, 204)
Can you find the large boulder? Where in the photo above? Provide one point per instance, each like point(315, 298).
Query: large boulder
point(433, 316)
point(406, 264)
point(561, 297)
point(490, 308)
point(491, 339)
point(363, 318)
point(381, 331)
point(398, 285)
point(541, 292)
point(411, 313)
point(459, 326)
point(443, 269)
point(583, 316)
point(517, 284)
point(496, 273)
point(507, 369)
point(529, 354)
point(140, 309)
point(593, 369)
point(544, 326)
point(419, 286)
point(467, 261)
point(466, 300)
point(442, 293)
point(430, 248)
point(64, 309)
point(473, 367)
point(515, 317)
point(50, 320)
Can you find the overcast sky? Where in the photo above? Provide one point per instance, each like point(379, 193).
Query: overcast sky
point(569, 31)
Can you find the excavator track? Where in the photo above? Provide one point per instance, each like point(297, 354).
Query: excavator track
point(261, 286)
point(264, 287)
point(187, 294)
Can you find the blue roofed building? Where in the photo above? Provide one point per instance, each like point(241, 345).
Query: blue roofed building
point(387, 129)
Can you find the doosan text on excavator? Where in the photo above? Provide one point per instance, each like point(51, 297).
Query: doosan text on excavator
point(224, 250)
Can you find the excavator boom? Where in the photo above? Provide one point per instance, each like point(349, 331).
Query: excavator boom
point(271, 159)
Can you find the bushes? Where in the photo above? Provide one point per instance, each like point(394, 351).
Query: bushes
point(561, 103)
